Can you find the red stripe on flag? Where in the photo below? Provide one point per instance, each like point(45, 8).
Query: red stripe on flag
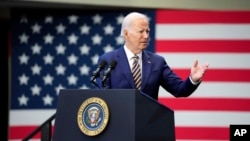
point(179, 16)
point(215, 104)
point(232, 46)
point(201, 133)
point(222, 75)
point(20, 132)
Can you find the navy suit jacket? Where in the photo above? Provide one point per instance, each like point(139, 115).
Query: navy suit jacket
point(155, 73)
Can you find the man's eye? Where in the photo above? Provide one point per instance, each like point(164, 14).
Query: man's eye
point(142, 31)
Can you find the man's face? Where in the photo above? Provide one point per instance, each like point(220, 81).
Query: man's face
point(137, 36)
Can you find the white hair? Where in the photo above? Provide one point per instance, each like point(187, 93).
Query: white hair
point(129, 18)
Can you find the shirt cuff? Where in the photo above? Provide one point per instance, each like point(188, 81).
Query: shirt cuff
point(194, 83)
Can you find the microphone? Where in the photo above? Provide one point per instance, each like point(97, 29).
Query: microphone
point(107, 73)
point(96, 73)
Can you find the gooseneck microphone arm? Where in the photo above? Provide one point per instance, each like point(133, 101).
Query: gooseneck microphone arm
point(96, 73)
point(107, 73)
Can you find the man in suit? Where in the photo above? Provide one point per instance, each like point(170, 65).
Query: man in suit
point(153, 71)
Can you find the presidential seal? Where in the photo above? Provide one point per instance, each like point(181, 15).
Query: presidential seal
point(93, 116)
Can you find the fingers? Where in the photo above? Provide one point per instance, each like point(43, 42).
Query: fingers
point(205, 66)
point(195, 63)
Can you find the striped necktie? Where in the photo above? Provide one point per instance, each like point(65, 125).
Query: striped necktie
point(136, 72)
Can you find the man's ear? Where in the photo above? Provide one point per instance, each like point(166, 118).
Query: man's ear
point(125, 32)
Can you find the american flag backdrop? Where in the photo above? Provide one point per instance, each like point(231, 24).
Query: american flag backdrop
point(54, 50)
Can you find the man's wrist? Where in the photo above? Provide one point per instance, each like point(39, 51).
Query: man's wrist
point(193, 82)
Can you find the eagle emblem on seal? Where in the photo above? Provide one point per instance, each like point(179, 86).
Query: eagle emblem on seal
point(94, 116)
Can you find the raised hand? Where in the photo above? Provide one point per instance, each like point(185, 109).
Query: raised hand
point(198, 71)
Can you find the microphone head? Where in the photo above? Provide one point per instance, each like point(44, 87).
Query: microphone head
point(102, 64)
point(113, 64)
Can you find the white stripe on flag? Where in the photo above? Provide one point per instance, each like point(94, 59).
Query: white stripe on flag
point(210, 118)
point(217, 90)
point(203, 31)
point(216, 60)
point(29, 117)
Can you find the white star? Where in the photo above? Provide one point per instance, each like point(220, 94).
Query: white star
point(108, 29)
point(36, 69)
point(48, 59)
point(60, 49)
point(84, 69)
point(48, 79)
point(84, 49)
point(58, 88)
point(97, 19)
point(96, 39)
point(35, 90)
point(60, 69)
point(119, 40)
point(49, 19)
point(108, 48)
point(119, 19)
point(73, 39)
point(36, 28)
point(23, 79)
point(24, 38)
point(72, 79)
point(24, 19)
point(36, 49)
point(84, 87)
point(72, 59)
point(48, 39)
point(73, 19)
point(85, 29)
point(23, 59)
point(95, 59)
point(47, 100)
point(60, 29)
point(23, 100)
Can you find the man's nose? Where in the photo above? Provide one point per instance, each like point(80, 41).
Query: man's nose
point(146, 35)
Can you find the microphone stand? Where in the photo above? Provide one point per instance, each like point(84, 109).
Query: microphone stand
point(96, 84)
point(107, 73)
point(103, 84)
point(93, 78)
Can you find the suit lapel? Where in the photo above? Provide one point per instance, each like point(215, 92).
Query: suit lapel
point(124, 66)
point(146, 67)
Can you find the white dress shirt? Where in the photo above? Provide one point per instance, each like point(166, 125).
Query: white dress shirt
point(130, 56)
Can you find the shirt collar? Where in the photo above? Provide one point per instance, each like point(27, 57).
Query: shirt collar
point(130, 55)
